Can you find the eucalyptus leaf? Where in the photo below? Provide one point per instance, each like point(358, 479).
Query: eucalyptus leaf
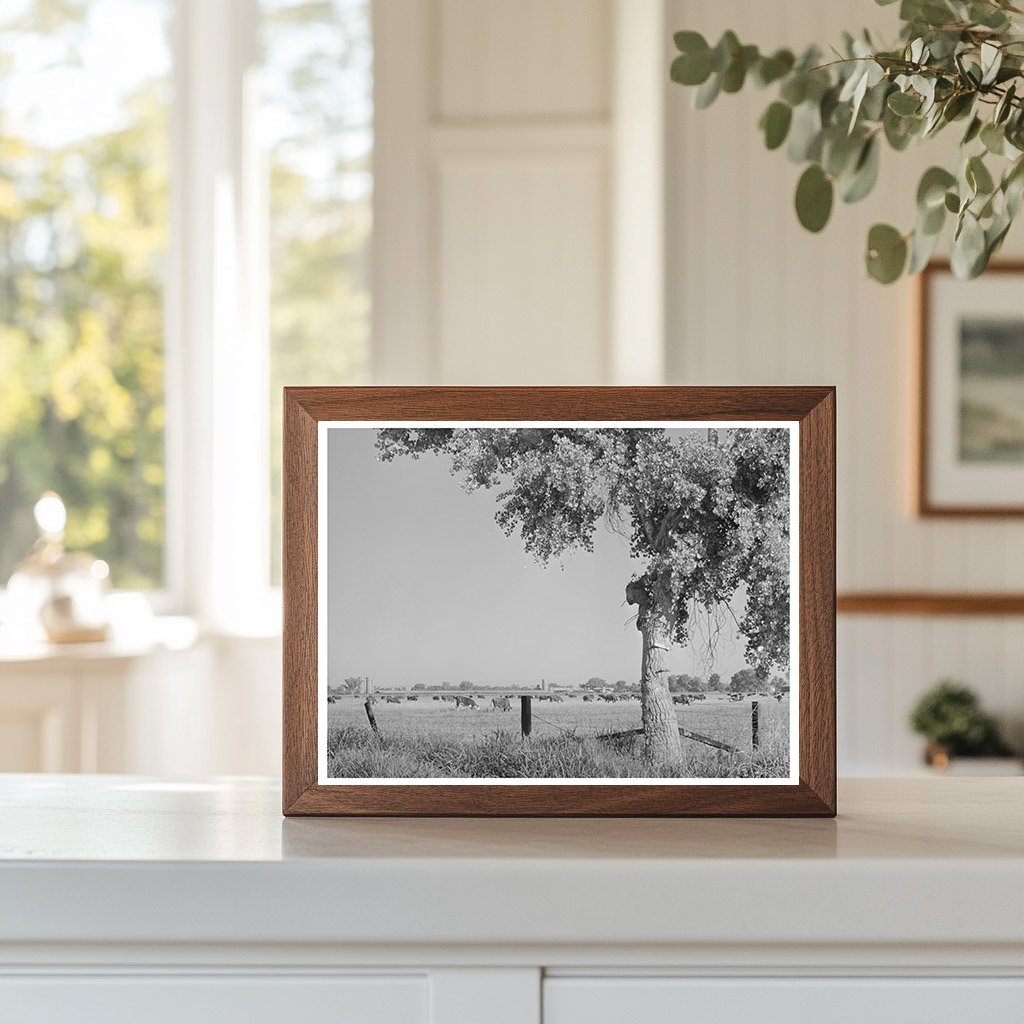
point(987, 15)
point(968, 248)
point(931, 190)
point(794, 88)
point(865, 173)
point(932, 220)
point(814, 196)
point(904, 103)
point(691, 70)
point(1013, 186)
point(771, 69)
point(724, 51)
point(875, 98)
point(827, 106)
point(934, 121)
point(805, 133)
point(775, 124)
point(840, 152)
point(707, 93)
point(993, 138)
point(886, 253)
point(735, 74)
point(1005, 105)
point(1014, 192)
point(900, 130)
point(922, 248)
point(973, 130)
point(978, 176)
point(958, 105)
point(991, 60)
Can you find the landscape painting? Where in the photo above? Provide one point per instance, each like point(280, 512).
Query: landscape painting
point(991, 390)
point(558, 601)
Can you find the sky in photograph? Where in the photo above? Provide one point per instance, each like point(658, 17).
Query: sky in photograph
point(425, 587)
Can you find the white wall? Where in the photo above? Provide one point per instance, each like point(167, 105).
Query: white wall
point(501, 130)
point(514, 161)
point(754, 299)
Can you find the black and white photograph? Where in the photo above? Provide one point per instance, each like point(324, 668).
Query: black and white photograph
point(549, 601)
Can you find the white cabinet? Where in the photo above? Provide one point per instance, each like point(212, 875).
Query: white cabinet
point(129, 899)
point(203, 999)
point(650, 1000)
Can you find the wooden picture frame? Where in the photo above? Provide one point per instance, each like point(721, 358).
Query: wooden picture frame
point(807, 413)
point(941, 489)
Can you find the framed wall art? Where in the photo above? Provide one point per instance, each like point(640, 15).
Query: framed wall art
point(970, 444)
point(559, 601)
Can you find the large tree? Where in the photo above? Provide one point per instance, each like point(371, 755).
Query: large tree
point(705, 514)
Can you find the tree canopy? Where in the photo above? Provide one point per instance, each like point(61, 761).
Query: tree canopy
point(706, 517)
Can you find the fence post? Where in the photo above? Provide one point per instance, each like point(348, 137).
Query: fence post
point(753, 724)
point(526, 714)
point(368, 704)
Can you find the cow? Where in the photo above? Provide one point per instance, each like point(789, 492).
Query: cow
point(680, 698)
point(435, 697)
point(589, 697)
point(501, 704)
point(465, 702)
point(555, 698)
point(610, 697)
point(393, 700)
point(331, 698)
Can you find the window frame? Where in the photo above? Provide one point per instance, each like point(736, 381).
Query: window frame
point(216, 347)
point(216, 329)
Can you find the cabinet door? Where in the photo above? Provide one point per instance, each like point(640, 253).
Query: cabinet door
point(783, 1001)
point(203, 999)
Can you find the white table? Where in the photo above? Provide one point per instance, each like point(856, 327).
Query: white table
point(125, 898)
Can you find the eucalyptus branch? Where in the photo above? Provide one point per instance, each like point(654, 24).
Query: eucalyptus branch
point(955, 61)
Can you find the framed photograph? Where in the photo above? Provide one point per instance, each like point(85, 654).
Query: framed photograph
point(559, 601)
point(970, 450)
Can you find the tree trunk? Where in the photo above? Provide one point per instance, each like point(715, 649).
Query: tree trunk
point(658, 714)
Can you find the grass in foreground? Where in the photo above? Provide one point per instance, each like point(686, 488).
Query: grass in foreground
point(354, 752)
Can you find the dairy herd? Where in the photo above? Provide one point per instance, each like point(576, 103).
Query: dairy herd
point(505, 703)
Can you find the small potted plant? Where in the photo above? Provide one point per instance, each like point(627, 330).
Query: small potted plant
point(950, 717)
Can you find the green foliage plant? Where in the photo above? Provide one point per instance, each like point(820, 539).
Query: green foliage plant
point(950, 716)
point(956, 62)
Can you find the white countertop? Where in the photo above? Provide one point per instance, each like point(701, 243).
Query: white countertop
point(122, 859)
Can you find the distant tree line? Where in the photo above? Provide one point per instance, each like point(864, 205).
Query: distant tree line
point(746, 680)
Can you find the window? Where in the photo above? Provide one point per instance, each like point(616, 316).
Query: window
point(317, 87)
point(185, 222)
point(83, 235)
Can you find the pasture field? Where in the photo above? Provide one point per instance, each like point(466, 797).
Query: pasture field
point(434, 739)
